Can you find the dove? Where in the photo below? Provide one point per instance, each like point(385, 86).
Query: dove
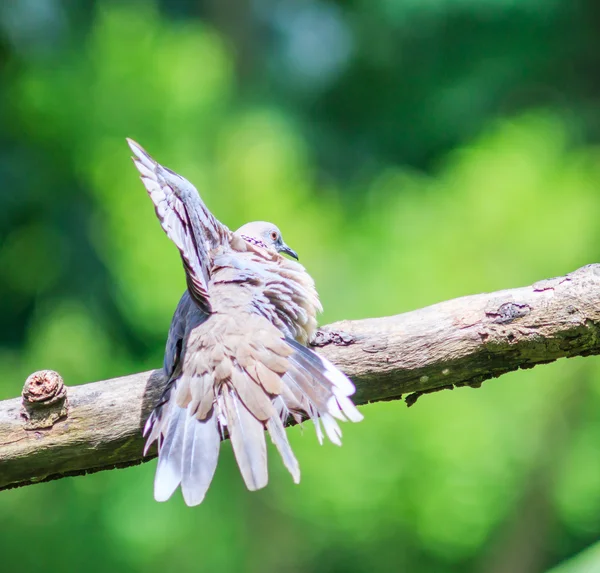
point(237, 362)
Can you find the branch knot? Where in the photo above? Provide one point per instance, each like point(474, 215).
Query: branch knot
point(44, 399)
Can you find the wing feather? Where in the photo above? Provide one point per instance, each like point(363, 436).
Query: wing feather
point(185, 219)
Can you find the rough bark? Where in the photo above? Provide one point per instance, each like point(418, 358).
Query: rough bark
point(460, 342)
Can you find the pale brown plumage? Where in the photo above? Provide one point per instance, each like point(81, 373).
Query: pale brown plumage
point(236, 358)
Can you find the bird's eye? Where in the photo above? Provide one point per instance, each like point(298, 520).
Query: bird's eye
point(274, 235)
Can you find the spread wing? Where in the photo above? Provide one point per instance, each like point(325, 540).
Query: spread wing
point(186, 220)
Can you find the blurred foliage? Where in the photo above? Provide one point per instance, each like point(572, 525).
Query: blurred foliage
point(411, 152)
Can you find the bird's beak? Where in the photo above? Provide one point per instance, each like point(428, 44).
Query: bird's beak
point(285, 249)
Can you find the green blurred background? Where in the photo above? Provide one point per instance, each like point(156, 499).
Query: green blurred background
point(411, 151)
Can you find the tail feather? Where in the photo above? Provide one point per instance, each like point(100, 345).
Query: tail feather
point(168, 470)
point(248, 441)
point(201, 443)
point(347, 406)
point(317, 422)
point(279, 438)
point(332, 429)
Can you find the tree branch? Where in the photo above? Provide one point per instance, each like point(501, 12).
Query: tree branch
point(461, 342)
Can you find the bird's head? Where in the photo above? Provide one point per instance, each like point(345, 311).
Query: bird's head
point(265, 235)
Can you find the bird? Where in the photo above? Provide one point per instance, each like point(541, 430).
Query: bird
point(237, 362)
